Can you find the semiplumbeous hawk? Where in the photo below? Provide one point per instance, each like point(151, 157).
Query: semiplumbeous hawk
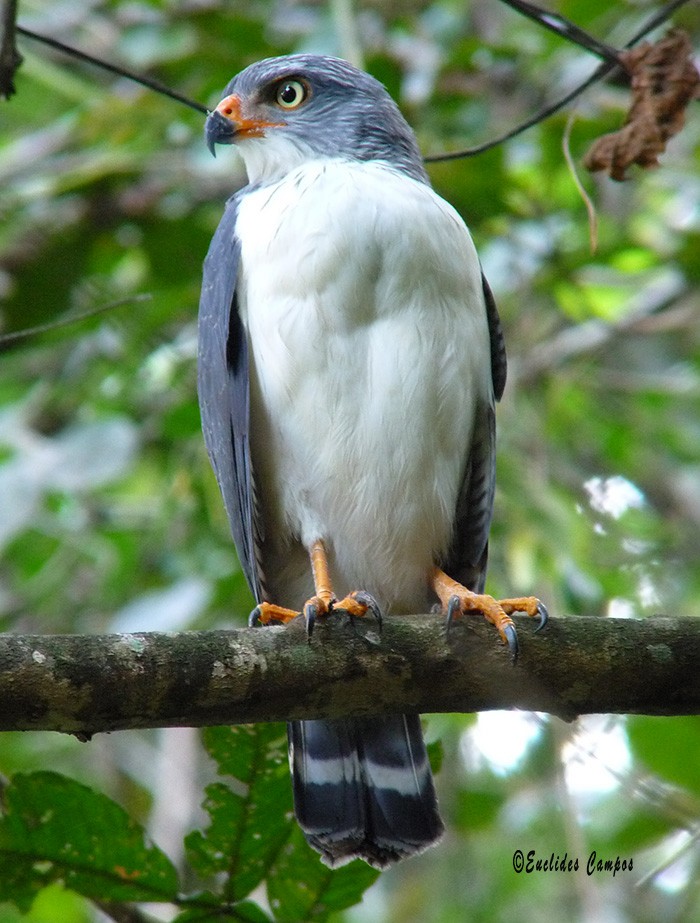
point(350, 357)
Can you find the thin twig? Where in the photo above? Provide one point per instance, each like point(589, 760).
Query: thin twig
point(592, 335)
point(120, 71)
point(75, 319)
point(587, 201)
point(598, 74)
point(565, 29)
point(347, 31)
point(666, 863)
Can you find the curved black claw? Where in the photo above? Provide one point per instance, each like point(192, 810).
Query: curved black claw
point(543, 614)
point(366, 599)
point(310, 615)
point(512, 641)
point(254, 618)
point(454, 604)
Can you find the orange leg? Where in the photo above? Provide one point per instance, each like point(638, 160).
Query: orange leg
point(456, 598)
point(324, 600)
point(325, 597)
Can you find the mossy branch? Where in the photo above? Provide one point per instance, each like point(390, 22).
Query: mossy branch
point(576, 665)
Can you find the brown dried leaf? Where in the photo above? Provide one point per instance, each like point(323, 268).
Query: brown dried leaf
point(664, 80)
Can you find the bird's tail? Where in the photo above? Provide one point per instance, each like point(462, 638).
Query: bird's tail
point(363, 788)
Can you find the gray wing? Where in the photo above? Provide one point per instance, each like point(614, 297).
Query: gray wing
point(224, 390)
point(498, 343)
point(468, 553)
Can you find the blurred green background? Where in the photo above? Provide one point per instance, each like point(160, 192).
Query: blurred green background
point(110, 518)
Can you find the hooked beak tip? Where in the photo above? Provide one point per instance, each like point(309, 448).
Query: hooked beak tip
point(211, 143)
point(218, 130)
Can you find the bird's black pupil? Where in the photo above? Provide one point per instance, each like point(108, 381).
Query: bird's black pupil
point(289, 93)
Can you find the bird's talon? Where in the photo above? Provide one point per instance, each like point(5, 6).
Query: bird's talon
point(510, 636)
point(254, 618)
point(310, 615)
point(369, 603)
point(454, 605)
point(543, 615)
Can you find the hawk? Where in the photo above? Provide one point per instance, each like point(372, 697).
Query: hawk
point(350, 354)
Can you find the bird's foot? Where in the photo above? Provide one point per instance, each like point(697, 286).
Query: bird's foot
point(458, 600)
point(356, 605)
point(268, 613)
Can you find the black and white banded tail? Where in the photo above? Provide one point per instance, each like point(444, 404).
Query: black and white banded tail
point(363, 788)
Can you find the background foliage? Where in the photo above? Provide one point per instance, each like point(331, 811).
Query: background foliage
point(110, 518)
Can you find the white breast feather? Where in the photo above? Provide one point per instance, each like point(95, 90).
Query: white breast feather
point(361, 292)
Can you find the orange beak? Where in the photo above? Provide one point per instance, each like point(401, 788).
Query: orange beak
point(227, 123)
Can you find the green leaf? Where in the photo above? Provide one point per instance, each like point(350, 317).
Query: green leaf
point(57, 830)
point(253, 834)
point(436, 754)
point(641, 830)
point(243, 912)
point(52, 905)
point(669, 747)
point(248, 826)
point(300, 887)
point(477, 810)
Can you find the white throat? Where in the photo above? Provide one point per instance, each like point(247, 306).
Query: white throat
point(270, 158)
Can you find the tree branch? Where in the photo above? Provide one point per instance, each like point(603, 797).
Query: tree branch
point(576, 665)
point(10, 58)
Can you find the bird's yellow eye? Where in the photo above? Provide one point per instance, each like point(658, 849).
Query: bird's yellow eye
point(291, 94)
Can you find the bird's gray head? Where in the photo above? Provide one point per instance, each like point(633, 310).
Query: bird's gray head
point(282, 112)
